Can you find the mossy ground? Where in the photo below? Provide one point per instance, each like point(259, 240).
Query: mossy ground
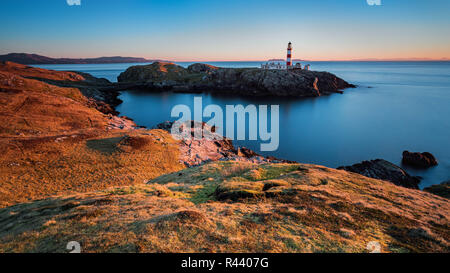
point(180, 212)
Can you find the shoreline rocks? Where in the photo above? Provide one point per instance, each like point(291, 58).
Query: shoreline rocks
point(384, 170)
point(419, 160)
point(442, 189)
point(163, 76)
point(194, 152)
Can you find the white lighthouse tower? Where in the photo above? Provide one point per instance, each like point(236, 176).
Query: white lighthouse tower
point(289, 56)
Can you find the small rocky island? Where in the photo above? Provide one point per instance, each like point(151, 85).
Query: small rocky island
point(165, 76)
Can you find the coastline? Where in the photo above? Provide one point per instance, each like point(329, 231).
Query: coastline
point(106, 182)
point(102, 90)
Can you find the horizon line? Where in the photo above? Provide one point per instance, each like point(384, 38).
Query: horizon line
point(412, 59)
point(329, 60)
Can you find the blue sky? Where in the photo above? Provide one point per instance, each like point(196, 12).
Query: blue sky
point(185, 30)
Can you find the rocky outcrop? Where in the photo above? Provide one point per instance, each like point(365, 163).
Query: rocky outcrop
point(162, 76)
point(384, 170)
point(102, 94)
point(201, 68)
point(420, 160)
point(100, 91)
point(122, 123)
point(442, 189)
point(194, 152)
point(155, 72)
point(277, 82)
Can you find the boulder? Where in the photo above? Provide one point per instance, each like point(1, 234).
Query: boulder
point(201, 68)
point(166, 126)
point(442, 189)
point(102, 106)
point(421, 160)
point(384, 170)
point(247, 153)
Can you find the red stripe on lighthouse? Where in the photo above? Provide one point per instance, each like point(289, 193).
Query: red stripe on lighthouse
point(289, 56)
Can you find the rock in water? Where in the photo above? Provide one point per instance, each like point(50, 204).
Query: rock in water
point(384, 170)
point(161, 76)
point(421, 160)
point(442, 189)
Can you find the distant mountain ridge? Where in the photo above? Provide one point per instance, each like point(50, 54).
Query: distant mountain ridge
point(25, 58)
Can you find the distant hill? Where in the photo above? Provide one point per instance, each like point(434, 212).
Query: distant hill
point(25, 58)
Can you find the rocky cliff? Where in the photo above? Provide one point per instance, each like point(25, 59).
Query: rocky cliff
point(161, 76)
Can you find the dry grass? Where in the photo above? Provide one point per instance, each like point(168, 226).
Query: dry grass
point(57, 165)
point(33, 72)
point(53, 142)
point(170, 215)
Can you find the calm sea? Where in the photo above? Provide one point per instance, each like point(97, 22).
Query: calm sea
point(397, 106)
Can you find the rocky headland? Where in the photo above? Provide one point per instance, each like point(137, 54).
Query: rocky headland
point(164, 76)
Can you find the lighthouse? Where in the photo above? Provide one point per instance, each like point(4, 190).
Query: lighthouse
point(282, 64)
point(289, 56)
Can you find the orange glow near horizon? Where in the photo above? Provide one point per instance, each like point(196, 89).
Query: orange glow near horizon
point(232, 30)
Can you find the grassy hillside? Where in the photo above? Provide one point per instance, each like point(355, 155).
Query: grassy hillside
point(235, 207)
point(53, 141)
